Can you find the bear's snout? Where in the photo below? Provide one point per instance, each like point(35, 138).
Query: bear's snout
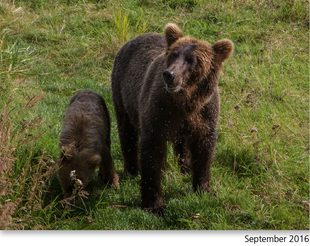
point(168, 76)
point(169, 79)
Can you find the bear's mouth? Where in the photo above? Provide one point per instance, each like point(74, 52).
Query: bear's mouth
point(170, 88)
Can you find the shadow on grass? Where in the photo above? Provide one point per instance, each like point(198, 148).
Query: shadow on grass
point(242, 162)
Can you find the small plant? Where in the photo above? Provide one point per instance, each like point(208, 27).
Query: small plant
point(141, 26)
point(122, 25)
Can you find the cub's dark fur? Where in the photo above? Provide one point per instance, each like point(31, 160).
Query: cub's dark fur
point(85, 142)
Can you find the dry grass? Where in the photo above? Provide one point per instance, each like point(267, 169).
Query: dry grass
point(21, 188)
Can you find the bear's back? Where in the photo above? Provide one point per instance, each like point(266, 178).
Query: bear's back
point(142, 49)
point(130, 67)
point(151, 44)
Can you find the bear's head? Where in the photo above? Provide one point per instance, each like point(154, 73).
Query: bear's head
point(188, 60)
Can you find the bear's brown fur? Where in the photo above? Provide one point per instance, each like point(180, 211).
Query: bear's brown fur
point(165, 88)
point(85, 142)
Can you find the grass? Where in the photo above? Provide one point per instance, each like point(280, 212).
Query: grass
point(260, 173)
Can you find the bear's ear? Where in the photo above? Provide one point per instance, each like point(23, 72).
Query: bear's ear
point(223, 49)
point(172, 33)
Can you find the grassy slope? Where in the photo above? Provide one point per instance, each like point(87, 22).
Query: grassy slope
point(260, 174)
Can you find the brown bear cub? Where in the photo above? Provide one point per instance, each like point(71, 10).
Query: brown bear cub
point(165, 88)
point(85, 142)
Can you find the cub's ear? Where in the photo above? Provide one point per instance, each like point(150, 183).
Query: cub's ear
point(172, 33)
point(95, 159)
point(65, 152)
point(223, 49)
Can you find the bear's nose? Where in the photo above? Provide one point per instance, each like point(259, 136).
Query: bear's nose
point(168, 76)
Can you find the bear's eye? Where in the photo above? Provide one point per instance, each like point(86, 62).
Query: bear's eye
point(174, 54)
point(189, 60)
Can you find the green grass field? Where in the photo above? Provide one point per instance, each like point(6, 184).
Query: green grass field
point(49, 50)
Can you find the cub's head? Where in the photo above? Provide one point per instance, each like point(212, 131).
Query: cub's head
point(189, 60)
point(84, 163)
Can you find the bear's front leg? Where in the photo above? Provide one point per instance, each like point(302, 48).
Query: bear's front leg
point(181, 152)
point(202, 153)
point(152, 156)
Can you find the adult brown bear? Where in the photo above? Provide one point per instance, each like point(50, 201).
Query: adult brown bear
point(85, 142)
point(165, 88)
